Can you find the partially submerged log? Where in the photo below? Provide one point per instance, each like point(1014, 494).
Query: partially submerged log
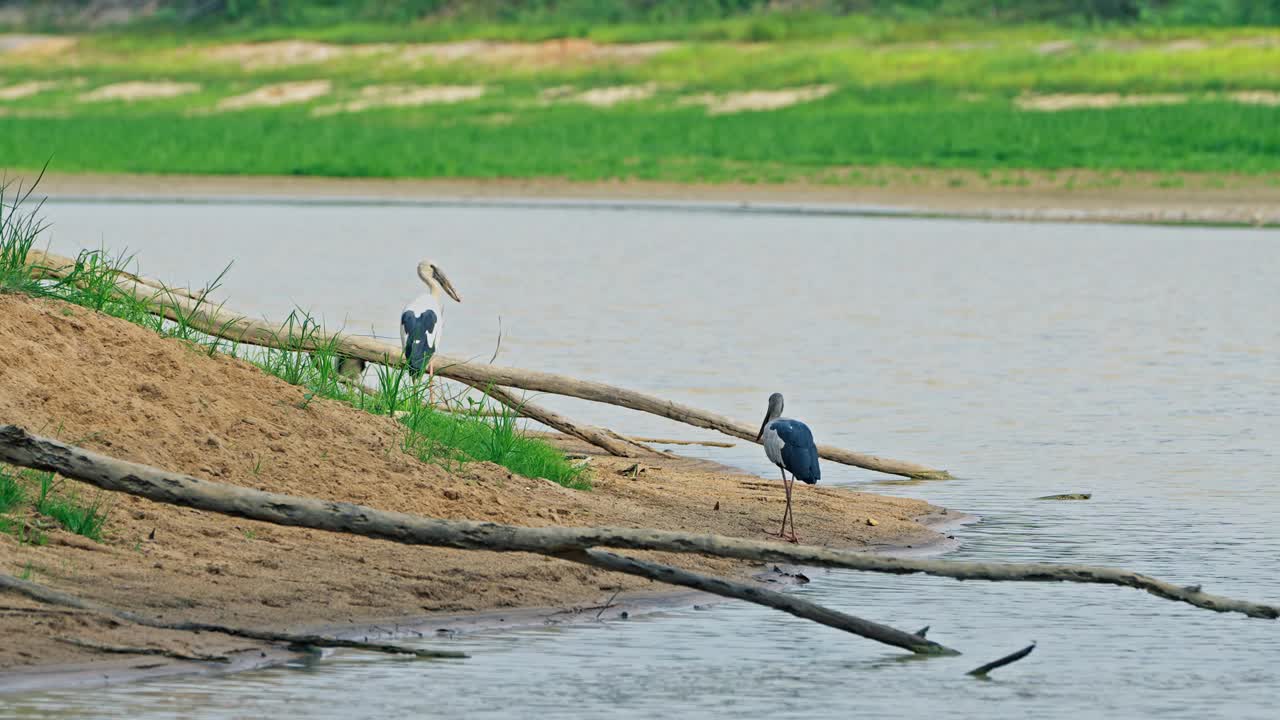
point(18, 447)
point(982, 672)
point(219, 322)
point(1067, 496)
point(761, 596)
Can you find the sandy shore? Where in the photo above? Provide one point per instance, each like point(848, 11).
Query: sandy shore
point(162, 403)
point(1030, 196)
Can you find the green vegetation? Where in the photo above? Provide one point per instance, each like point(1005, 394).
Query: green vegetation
point(1174, 100)
point(1154, 86)
point(12, 492)
point(29, 498)
point(468, 431)
point(812, 144)
point(68, 508)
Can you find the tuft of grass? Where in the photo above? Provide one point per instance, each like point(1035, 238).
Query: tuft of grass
point(42, 492)
point(18, 231)
point(481, 431)
point(68, 509)
point(12, 492)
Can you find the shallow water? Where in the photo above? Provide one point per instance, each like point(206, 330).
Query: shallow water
point(1140, 364)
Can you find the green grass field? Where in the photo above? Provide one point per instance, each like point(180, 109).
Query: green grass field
point(1185, 101)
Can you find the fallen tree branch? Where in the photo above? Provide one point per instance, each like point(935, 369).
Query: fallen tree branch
point(50, 596)
point(49, 266)
point(112, 474)
point(602, 438)
point(217, 321)
point(1006, 660)
point(760, 596)
point(665, 441)
point(18, 447)
point(605, 439)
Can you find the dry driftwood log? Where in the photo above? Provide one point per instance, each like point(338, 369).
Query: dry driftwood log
point(666, 441)
point(18, 447)
point(220, 322)
point(50, 596)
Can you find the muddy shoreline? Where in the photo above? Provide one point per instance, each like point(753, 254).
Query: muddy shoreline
point(441, 627)
point(1248, 202)
point(223, 419)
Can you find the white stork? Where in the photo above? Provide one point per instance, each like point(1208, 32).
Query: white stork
point(422, 320)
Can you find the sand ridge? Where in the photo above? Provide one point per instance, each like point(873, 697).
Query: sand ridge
point(17, 91)
point(140, 90)
point(387, 96)
point(286, 93)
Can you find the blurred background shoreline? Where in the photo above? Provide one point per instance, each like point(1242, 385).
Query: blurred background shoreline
point(1169, 106)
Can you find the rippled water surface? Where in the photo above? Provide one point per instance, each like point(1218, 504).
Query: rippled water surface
point(1140, 364)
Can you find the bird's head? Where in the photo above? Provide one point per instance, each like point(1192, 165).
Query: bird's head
point(774, 411)
point(434, 277)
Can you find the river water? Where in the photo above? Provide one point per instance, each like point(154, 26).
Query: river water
point(1141, 364)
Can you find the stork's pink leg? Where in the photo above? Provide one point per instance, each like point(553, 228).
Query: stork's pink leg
point(783, 530)
point(786, 487)
point(791, 514)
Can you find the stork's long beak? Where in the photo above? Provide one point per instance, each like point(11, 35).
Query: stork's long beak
point(762, 426)
point(444, 283)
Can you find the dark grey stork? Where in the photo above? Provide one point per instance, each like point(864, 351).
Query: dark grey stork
point(789, 445)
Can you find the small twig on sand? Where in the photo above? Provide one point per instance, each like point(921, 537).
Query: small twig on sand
point(1006, 660)
point(53, 597)
point(607, 603)
point(125, 650)
point(498, 346)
